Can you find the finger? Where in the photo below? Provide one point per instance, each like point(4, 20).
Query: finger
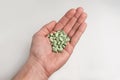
point(73, 20)
point(46, 29)
point(78, 34)
point(64, 20)
point(81, 19)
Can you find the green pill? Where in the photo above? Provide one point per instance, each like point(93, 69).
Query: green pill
point(58, 40)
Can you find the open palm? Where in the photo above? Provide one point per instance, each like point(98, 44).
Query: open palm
point(73, 24)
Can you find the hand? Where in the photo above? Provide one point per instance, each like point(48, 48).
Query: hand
point(73, 23)
point(42, 61)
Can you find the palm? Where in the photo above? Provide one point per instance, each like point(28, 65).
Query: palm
point(73, 25)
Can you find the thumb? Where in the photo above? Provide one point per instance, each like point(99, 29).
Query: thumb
point(46, 29)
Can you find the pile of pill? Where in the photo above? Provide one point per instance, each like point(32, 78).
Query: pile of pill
point(58, 40)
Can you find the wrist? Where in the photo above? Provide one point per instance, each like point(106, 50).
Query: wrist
point(37, 68)
point(31, 71)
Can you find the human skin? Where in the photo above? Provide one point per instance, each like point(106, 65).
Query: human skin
point(42, 62)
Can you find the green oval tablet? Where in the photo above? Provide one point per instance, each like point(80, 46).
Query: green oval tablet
point(58, 40)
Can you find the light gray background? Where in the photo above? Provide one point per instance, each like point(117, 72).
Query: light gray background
point(96, 56)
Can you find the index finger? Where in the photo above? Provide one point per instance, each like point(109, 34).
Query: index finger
point(64, 20)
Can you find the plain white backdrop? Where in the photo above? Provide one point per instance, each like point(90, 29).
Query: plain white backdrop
point(97, 54)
